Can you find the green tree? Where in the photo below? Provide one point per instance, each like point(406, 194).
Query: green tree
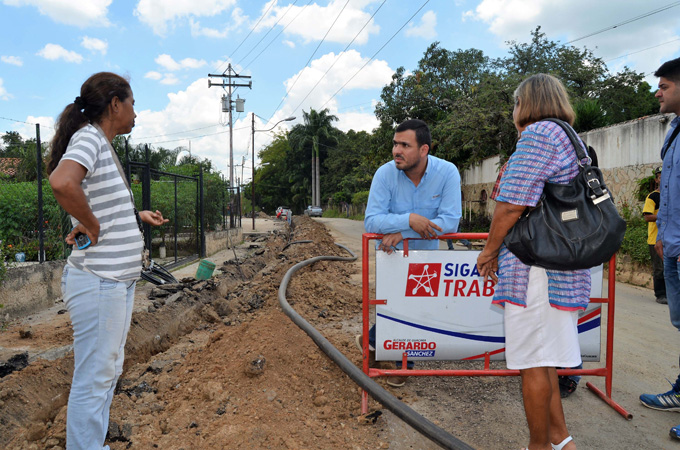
point(282, 177)
point(589, 115)
point(12, 145)
point(579, 69)
point(345, 171)
point(618, 98)
point(478, 126)
point(316, 134)
point(442, 76)
point(626, 96)
point(158, 158)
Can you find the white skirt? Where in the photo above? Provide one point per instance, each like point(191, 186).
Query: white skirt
point(540, 335)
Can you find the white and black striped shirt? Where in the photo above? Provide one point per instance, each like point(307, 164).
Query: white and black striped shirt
point(118, 253)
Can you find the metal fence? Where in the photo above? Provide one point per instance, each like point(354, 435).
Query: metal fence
point(33, 225)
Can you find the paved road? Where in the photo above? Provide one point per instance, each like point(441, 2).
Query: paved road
point(646, 348)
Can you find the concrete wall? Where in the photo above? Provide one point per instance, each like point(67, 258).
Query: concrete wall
point(220, 240)
point(627, 152)
point(32, 288)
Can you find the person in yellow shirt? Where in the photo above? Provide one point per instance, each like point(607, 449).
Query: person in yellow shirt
point(649, 213)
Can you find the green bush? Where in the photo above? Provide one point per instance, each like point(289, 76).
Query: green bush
point(19, 222)
point(360, 198)
point(341, 197)
point(333, 213)
point(635, 240)
point(645, 187)
point(3, 268)
point(478, 223)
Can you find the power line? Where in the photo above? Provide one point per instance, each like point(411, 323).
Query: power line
point(640, 51)
point(375, 54)
point(279, 33)
point(27, 123)
point(340, 55)
point(247, 36)
point(625, 22)
point(310, 58)
point(195, 137)
point(171, 134)
point(267, 33)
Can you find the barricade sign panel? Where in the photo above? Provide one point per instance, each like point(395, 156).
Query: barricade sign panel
point(439, 308)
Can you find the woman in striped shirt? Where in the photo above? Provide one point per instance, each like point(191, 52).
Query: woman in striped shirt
point(98, 283)
point(541, 306)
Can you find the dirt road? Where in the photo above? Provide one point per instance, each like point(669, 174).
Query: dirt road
point(216, 365)
point(486, 412)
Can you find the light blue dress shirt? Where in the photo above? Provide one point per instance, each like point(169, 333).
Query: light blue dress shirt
point(668, 218)
point(393, 197)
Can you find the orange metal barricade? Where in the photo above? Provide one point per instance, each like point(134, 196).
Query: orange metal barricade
point(605, 371)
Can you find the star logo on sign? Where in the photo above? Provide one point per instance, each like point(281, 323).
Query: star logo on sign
point(423, 280)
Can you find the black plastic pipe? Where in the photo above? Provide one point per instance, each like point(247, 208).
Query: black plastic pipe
point(398, 408)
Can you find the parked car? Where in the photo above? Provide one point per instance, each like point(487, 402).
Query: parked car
point(314, 211)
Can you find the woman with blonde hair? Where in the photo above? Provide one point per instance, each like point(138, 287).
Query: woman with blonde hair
point(99, 278)
point(541, 306)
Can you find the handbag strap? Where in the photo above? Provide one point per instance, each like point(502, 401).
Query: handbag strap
point(114, 156)
point(592, 177)
point(571, 134)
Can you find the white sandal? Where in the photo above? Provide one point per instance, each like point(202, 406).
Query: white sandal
point(561, 445)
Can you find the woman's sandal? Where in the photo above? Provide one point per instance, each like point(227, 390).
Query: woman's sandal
point(561, 445)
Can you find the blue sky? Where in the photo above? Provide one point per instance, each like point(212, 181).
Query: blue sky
point(168, 47)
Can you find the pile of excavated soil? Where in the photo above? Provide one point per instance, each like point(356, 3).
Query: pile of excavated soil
point(213, 364)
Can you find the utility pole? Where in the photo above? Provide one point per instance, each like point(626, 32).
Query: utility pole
point(227, 82)
point(243, 163)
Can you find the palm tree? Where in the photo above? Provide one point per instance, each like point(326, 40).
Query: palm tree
point(317, 128)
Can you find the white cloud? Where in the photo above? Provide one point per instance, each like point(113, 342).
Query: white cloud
point(3, 92)
point(566, 21)
point(27, 130)
point(238, 19)
point(81, 14)
point(290, 44)
point(169, 79)
point(426, 28)
point(153, 75)
point(357, 121)
point(374, 76)
point(199, 109)
point(192, 63)
point(158, 14)
point(168, 63)
point(197, 30)
point(94, 44)
point(13, 60)
point(191, 109)
point(54, 52)
point(314, 21)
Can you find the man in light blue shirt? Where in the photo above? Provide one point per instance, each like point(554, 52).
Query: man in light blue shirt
point(414, 196)
point(668, 220)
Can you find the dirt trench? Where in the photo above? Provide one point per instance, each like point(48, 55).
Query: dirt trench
point(215, 364)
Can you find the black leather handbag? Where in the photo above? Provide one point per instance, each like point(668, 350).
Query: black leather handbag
point(574, 226)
